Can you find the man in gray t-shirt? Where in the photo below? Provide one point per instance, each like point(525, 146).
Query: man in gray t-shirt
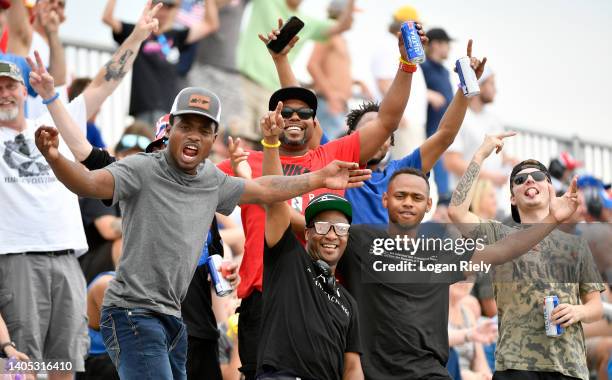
point(166, 199)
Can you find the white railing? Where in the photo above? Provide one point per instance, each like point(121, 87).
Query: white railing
point(597, 157)
point(85, 60)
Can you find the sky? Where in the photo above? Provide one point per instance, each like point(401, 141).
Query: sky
point(552, 58)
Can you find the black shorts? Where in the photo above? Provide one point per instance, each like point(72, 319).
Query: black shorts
point(249, 328)
point(513, 374)
point(203, 359)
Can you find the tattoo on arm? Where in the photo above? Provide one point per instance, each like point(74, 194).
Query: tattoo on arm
point(116, 70)
point(465, 184)
point(281, 187)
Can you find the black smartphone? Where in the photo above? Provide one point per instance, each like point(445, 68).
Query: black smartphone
point(289, 30)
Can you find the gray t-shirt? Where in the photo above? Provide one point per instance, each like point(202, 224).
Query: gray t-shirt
point(166, 217)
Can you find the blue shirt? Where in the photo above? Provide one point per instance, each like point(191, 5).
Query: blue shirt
point(367, 200)
point(437, 79)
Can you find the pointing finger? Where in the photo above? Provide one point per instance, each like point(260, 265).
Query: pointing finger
point(469, 48)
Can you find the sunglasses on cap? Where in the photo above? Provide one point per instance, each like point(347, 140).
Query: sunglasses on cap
point(322, 228)
point(132, 141)
point(537, 176)
point(303, 113)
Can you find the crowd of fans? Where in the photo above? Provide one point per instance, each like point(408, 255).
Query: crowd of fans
point(104, 245)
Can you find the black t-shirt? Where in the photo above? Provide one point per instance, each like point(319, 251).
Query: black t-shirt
point(404, 315)
point(154, 79)
point(305, 329)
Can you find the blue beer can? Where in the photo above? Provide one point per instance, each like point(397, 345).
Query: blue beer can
point(412, 42)
point(552, 330)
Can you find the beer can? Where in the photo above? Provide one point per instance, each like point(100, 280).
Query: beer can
point(412, 42)
point(467, 77)
point(552, 329)
point(221, 285)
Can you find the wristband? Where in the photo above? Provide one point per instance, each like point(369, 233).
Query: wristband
point(402, 60)
point(410, 68)
point(266, 145)
point(51, 99)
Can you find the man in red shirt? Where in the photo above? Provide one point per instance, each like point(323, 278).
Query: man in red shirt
point(299, 111)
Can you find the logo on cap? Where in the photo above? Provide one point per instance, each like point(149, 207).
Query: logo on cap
point(199, 101)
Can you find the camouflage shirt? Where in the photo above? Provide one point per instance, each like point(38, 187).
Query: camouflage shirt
point(560, 265)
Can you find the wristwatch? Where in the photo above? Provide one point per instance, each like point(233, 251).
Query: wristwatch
point(4, 345)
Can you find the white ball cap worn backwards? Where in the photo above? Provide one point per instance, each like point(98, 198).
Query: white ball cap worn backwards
point(199, 101)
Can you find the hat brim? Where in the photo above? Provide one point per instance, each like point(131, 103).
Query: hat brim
point(13, 77)
point(330, 205)
point(297, 93)
point(195, 112)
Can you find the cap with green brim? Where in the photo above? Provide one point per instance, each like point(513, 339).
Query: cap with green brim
point(328, 202)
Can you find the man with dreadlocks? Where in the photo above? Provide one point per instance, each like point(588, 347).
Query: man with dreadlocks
point(369, 196)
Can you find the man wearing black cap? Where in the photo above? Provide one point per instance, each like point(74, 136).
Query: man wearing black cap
point(299, 111)
point(169, 194)
point(439, 92)
point(310, 325)
point(560, 265)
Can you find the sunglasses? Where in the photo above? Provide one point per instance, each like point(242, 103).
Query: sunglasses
point(303, 113)
point(322, 228)
point(132, 141)
point(537, 176)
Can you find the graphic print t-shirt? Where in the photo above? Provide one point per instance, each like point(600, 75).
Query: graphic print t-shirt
point(254, 216)
point(306, 327)
point(38, 213)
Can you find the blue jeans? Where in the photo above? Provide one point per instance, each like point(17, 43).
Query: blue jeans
point(143, 344)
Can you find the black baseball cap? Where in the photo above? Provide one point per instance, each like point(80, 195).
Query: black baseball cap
point(199, 101)
point(438, 34)
point(288, 93)
point(531, 163)
point(326, 202)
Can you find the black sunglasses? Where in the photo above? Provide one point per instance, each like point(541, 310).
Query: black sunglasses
point(537, 176)
point(303, 113)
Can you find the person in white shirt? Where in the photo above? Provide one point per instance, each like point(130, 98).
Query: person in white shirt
point(42, 289)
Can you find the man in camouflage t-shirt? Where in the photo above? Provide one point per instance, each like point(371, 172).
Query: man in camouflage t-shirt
point(561, 265)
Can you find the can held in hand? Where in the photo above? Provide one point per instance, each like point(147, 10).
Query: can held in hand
point(412, 42)
point(222, 286)
point(552, 330)
point(467, 77)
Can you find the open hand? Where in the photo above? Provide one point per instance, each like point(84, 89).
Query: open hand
point(40, 79)
point(272, 125)
point(485, 332)
point(47, 142)
point(339, 175)
point(273, 36)
point(561, 208)
point(147, 23)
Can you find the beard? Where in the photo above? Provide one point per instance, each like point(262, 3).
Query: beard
point(285, 141)
point(10, 114)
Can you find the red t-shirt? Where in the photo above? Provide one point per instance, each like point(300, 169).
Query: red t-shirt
point(254, 216)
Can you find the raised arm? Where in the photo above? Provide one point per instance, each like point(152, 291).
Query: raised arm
point(110, 75)
point(108, 17)
point(42, 82)
point(57, 59)
point(522, 241)
point(209, 23)
point(281, 62)
point(374, 134)
point(98, 184)
point(459, 209)
point(345, 20)
point(20, 36)
point(278, 214)
point(434, 146)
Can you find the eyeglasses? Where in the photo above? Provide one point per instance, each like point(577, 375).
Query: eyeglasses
point(131, 141)
point(303, 113)
point(537, 176)
point(322, 228)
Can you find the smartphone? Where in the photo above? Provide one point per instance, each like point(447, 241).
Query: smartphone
point(289, 30)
